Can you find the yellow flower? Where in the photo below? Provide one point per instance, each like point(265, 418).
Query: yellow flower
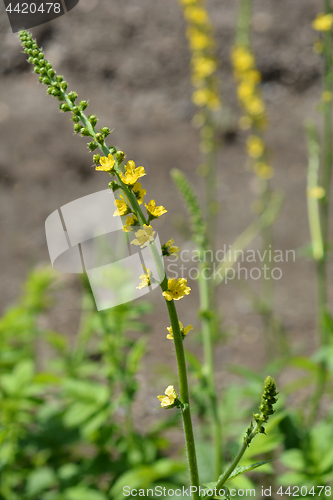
point(245, 90)
point(130, 222)
point(242, 59)
point(197, 39)
point(145, 278)
point(254, 105)
point(206, 97)
point(132, 174)
point(176, 289)
point(106, 164)
point(263, 170)
point(316, 192)
point(155, 211)
point(139, 193)
point(144, 236)
point(168, 401)
point(183, 331)
point(196, 15)
point(326, 96)
point(203, 67)
point(122, 207)
point(323, 22)
point(255, 146)
point(170, 248)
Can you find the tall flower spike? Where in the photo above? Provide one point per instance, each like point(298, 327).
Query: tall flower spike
point(268, 399)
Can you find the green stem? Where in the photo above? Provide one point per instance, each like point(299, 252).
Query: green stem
point(178, 341)
point(184, 395)
point(235, 462)
point(208, 369)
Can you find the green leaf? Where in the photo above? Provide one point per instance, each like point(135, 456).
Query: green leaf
point(145, 475)
point(84, 493)
point(40, 480)
point(241, 469)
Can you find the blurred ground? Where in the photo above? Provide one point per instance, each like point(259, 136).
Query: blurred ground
point(130, 59)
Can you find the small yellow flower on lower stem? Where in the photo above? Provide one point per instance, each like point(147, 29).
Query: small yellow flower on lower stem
point(144, 236)
point(170, 249)
point(130, 222)
point(139, 193)
point(176, 289)
point(155, 211)
point(183, 331)
point(323, 22)
point(316, 192)
point(122, 207)
point(169, 400)
point(132, 174)
point(255, 146)
point(145, 278)
point(106, 164)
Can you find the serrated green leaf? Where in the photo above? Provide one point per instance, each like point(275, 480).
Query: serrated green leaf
point(241, 469)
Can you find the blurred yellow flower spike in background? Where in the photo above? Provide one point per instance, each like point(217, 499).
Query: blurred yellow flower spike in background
point(255, 146)
point(323, 22)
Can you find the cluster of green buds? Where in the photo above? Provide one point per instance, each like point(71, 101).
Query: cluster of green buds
point(268, 399)
point(57, 86)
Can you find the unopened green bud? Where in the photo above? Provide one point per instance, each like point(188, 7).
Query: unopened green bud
point(41, 55)
point(93, 119)
point(85, 132)
point(34, 46)
point(46, 80)
point(37, 70)
point(31, 60)
point(75, 118)
point(40, 79)
point(76, 110)
point(50, 90)
point(59, 78)
point(48, 66)
point(112, 150)
point(99, 138)
point(83, 105)
point(120, 155)
point(96, 158)
point(64, 86)
point(92, 146)
point(105, 131)
point(64, 107)
point(36, 61)
point(51, 73)
point(77, 127)
point(114, 186)
point(72, 96)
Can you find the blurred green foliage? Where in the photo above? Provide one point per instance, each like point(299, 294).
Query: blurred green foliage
point(66, 410)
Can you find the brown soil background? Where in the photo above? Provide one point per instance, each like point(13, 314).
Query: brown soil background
point(131, 60)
